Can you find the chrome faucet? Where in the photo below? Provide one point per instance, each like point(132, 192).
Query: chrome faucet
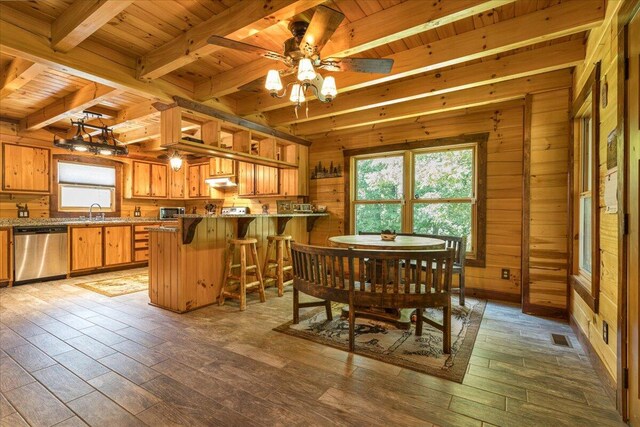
point(91, 209)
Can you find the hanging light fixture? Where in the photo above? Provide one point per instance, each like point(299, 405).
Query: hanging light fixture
point(175, 161)
point(324, 89)
point(104, 144)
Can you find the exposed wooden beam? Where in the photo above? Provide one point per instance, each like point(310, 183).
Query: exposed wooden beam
point(553, 22)
point(18, 73)
point(81, 19)
point(238, 22)
point(477, 96)
point(385, 26)
point(79, 100)
point(107, 112)
point(541, 60)
point(20, 38)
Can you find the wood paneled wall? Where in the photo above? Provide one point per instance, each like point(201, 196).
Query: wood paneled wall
point(504, 187)
point(547, 209)
point(603, 46)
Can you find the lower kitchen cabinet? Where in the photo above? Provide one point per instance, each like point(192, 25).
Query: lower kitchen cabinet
point(86, 248)
point(5, 255)
point(117, 245)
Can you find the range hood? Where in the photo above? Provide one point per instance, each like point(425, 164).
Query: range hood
point(221, 182)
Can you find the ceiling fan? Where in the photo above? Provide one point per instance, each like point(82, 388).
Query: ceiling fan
point(302, 53)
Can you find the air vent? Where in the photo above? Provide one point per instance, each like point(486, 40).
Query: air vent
point(561, 340)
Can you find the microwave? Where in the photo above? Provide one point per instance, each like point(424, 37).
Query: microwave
point(169, 213)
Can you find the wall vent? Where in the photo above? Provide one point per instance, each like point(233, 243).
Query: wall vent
point(561, 340)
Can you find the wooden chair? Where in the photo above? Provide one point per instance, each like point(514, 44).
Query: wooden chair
point(459, 245)
point(339, 274)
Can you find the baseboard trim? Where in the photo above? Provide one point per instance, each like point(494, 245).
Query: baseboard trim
point(495, 295)
point(608, 383)
point(545, 311)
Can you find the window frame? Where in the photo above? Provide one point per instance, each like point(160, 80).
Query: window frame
point(408, 149)
point(586, 105)
point(58, 212)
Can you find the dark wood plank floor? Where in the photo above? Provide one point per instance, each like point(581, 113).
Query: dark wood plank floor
point(71, 357)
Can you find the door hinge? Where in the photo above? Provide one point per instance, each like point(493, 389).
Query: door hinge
point(625, 378)
point(625, 225)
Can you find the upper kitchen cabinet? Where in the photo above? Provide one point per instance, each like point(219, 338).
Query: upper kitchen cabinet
point(221, 167)
point(294, 182)
point(178, 183)
point(25, 169)
point(148, 180)
point(198, 187)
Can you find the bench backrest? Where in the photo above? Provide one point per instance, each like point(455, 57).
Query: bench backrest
point(378, 277)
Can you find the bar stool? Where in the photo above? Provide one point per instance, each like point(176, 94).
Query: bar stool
point(241, 279)
point(282, 243)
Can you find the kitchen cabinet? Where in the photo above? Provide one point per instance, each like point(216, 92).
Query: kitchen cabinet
point(198, 188)
point(5, 255)
point(86, 248)
point(177, 183)
point(294, 182)
point(149, 180)
point(117, 245)
point(25, 169)
point(141, 241)
point(221, 167)
point(256, 180)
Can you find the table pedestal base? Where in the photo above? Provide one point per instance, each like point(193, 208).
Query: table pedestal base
point(400, 318)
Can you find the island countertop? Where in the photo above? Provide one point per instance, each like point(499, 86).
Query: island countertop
point(33, 222)
point(260, 215)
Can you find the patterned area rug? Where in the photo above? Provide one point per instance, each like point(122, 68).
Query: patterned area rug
point(383, 341)
point(118, 285)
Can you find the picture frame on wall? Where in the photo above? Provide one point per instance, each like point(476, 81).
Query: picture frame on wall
point(284, 206)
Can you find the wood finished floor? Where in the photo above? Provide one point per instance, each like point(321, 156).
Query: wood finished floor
point(71, 357)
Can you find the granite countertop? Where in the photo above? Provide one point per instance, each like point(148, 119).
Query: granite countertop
point(25, 222)
point(254, 215)
point(163, 229)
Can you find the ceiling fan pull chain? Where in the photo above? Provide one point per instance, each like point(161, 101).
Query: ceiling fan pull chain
point(296, 110)
point(306, 111)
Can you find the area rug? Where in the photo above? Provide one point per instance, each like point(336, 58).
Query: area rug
point(118, 285)
point(385, 342)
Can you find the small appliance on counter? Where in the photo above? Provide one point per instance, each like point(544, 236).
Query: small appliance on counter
point(234, 210)
point(170, 213)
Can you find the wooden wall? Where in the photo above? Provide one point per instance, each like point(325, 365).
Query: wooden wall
point(547, 209)
point(603, 46)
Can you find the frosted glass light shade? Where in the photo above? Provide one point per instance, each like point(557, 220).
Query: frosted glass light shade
point(297, 94)
point(175, 162)
point(273, 82)
point(329, 89)
point(305, 70)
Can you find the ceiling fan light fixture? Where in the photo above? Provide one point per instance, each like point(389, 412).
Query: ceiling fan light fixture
point(329, 89)
point(175, 161)
point(273, 82)
point(305, 70)
point(297, 94)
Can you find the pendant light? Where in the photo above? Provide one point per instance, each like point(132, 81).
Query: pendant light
point(175, 161)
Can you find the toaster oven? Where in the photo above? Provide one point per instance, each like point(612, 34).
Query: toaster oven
point(170, 213)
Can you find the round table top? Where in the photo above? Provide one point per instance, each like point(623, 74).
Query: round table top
point(374, 241)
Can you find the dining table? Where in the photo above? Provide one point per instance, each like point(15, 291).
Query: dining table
point(401, 318)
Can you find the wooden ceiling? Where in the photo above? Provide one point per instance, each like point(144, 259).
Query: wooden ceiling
point(59, 57)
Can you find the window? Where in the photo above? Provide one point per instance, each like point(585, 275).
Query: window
point(585, 277)
point(431, 187)
point(81, 185)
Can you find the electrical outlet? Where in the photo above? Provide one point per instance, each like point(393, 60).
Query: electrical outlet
point(605, 332)
point(505, 274)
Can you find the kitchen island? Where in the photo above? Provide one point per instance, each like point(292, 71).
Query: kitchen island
point(186, 262)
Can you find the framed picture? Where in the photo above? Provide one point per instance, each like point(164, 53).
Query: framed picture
point(284, 206)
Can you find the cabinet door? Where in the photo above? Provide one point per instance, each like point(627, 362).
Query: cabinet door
point(117, 245)
point(158, 180)
point(204, 174)
point(177, 183)
point(194, 181)
point(266, 180)
point(289, 182)
point(25, 168)
point(246, 182)
point(5, 274)
point(219, 166)
point(86, 248)
point(141, 179)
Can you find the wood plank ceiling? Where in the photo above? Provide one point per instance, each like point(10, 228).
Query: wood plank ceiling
point(61, 56)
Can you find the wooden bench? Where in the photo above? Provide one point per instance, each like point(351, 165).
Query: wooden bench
point(339, 274)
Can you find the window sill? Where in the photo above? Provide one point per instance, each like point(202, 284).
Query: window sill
point(583, 288)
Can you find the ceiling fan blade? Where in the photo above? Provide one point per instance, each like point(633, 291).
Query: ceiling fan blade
point(323, 24)
point(358, 65)
point(245, 47)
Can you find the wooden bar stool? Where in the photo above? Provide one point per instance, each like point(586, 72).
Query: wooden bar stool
point(282, 243)
point(240, 280)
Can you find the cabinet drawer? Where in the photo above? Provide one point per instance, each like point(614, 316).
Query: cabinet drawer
point(141, 244)
point(142, 255)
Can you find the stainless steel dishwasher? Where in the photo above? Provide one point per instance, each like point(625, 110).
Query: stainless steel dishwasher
point(40, 253)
